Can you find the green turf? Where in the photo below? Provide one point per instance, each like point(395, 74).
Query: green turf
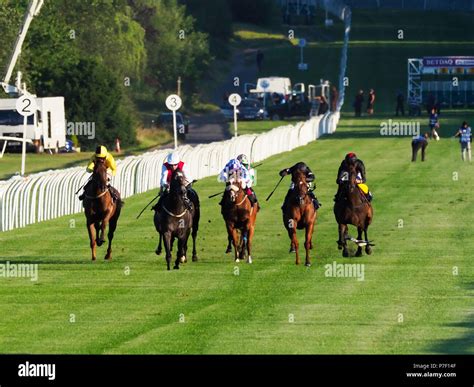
point(409, 275)
point(410, 272)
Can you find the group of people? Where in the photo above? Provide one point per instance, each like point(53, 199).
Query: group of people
point(421, 142)
point(238, 169)
point(359, 101)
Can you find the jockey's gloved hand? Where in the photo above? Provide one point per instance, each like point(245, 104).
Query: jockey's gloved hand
point(283, 172)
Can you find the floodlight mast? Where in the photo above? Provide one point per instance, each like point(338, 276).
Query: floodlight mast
point(19, 88)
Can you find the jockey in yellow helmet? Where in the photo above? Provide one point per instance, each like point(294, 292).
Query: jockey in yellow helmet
point(102, 153)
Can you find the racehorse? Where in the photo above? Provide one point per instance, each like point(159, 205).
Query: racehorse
point(175, 221)
point(352, 207)
point(240, 217)
point(100, 209)
point(300, 214)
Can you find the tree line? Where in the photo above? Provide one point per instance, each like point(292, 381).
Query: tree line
point(111, 58)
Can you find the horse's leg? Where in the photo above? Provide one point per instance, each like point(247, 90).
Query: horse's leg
point(179, 254)
point(359, 237)
point(91, 231)
point(249, 241)
point(229, 244)
point(294, 240)
point(232, 231)
point(368, 249)
point(159, 249)
point(103, 226)
point(342, 239)
point(308, 245)
point(167, 243)
point(110, 235)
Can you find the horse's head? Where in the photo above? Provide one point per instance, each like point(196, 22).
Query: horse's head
point(234, 188)
point(301, 185)
point(99, 175)
point(348, 178)
point(178, 182)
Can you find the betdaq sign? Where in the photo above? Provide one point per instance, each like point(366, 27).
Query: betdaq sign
point(448, 61)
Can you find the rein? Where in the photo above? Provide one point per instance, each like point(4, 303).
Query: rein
point(174, 215)
point(98, 196)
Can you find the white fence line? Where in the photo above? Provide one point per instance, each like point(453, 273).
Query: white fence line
point(51, 194)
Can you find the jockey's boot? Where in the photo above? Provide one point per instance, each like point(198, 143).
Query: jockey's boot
point(187, 202)
point(113, 193)
point(370, 196)
point(315, 200)
point(82, 196)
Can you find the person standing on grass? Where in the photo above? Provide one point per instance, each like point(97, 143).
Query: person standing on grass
point(359, 100)
point(333, 98)
point(434, 123)
point(465, 139)
point(400, 101)
point(371, 102)
point(419, 142)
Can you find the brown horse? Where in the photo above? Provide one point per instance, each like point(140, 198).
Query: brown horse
point(352, 208)
point(175, 221)
point(300, 214)
point(100, 209)
point(240, 217)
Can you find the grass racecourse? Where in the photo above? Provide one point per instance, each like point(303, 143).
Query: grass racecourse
point(416, 295)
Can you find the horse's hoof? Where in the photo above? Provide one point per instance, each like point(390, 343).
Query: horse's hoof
point(292, 250)
point(249, 260)
point(108, 258)
point(345, 253)
point(176, 267)
point(183, 259)
point(237, 260)
point(195, 258)
point(93, 259)
point(368, 250)
point(100, 242)
point(358, 253)
point(307, 264)
point(157, 252)
point(229, 249)
point(297, 262)
point(168, 268)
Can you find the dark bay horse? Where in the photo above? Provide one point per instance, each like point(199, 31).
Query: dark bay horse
point(240, 217)
point(352, 208)
point(300, 214)
point(100, 209)
point(175, 221)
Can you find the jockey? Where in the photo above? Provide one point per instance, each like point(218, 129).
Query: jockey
point(301, 167)
point(351, 158)
point(172, 163)
point(234, 169)
point(102, 153)
point(246, 163)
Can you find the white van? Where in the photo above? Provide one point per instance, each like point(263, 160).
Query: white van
point(272, 85)
point(46, 128)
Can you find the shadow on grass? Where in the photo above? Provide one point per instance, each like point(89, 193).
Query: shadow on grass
point(463, 344)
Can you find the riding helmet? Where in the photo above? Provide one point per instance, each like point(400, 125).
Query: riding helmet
point(101, 152)
point(173, 158)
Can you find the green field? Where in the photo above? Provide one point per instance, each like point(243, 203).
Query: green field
point(418, 287)
point(409, 273)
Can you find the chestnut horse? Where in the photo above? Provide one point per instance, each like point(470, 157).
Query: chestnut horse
point(175, 221)
point(300, 214)
point(240, 217)
point(100, 209)
point(352, 208)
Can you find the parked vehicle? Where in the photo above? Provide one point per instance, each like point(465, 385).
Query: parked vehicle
point(165, 121)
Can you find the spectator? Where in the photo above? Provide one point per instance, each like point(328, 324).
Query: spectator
point(359, 100)
point(260, 57)
point(323, 106)
point(465, 139)
point(333, 98)
point(400, 104)
point(419, 142)
point(434, 123)
point(370, 102)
